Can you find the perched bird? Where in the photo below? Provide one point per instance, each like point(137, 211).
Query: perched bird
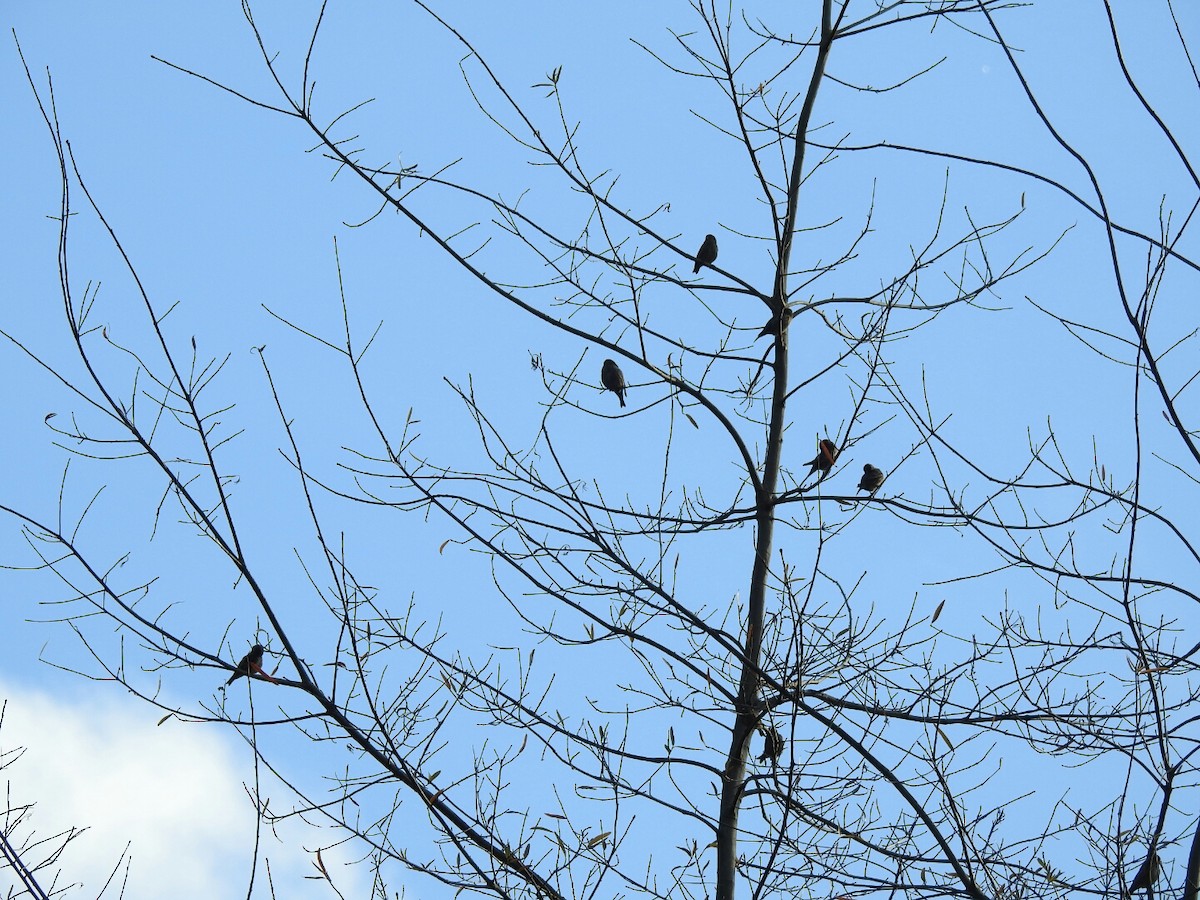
point(827, 453)
point(707, 254)
point(772, 744)
point(613, 379)
point(768, 330)
point(251, 664)
point(871, 480)
point(1147, 874)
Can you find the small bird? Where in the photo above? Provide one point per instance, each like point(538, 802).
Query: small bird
point(251, 664)
point(772, 744)
point(871, 480)
point(768, 330)
point(613, 379)
point(707, 254)
point(826, 455)
point(1147, 874)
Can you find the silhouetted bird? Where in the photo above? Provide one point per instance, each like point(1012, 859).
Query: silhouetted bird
point(871, 480)
point(613, 379)
point(251, 664)
point(827, 453)
point(1147, 874)
point(772, 745)
point(768, 330)
point(707, 254)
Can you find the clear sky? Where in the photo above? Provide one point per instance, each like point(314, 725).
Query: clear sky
point(226, 214)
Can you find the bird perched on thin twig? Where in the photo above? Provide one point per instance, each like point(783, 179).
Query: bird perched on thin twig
point(707, 254)
point(1147, 874)
point(251, 664)
point(613, 379)
point(827, 453)
point(871, 479)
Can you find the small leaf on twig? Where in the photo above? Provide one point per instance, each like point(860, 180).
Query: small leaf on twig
point(551, 80)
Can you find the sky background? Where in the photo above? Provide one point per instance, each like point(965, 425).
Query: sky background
point(225, 211)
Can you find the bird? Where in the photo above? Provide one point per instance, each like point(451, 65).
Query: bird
point(707, 254)
point(613, 379)
point(768, 330)
point(772, 744)
point(871, 480)
point(251, 664)
point(827, 453)
point(1147, 874)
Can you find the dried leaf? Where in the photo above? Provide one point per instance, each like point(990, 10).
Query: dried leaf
point(598, 839)
point(443, 547)
point(695, 424)
point(937, 612)
point(946, 739)
point(164, 718)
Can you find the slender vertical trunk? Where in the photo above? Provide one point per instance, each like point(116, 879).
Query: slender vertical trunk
point(747, 712)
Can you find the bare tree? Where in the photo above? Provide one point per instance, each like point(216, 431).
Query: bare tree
point(728, 677)
point(33, 861)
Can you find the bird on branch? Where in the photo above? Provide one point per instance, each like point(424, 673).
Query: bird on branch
point(251, 664)
point(827, 453)
point(1147, 875)
point(772, 744)
point(872, 478)
point(707, 254)
point(613, 379)
point(768, 330)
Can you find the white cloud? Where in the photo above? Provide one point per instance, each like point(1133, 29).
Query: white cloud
point(100, 761)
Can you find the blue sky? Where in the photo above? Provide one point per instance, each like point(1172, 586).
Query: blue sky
point(224, 212)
